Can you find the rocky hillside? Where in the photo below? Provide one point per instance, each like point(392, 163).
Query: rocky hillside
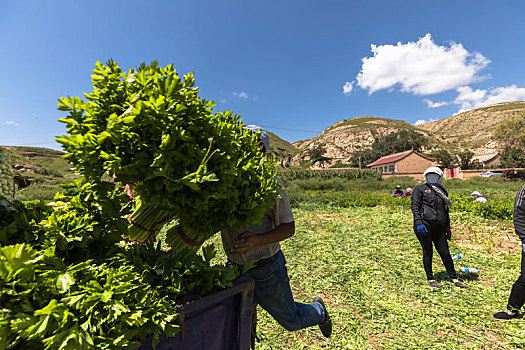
point(470, 130)
point(342, 139)
point(44, 168)
point(36, 160)
point(34, 152)
point(473, 129)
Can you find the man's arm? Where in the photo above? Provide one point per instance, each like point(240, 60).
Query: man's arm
point(248, 240)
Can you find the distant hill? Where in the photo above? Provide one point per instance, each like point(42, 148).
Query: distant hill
point(345, 137)
point(470, 130)
point(473, 129)
point(35, 152)
point(283, 150)
point(44, 167)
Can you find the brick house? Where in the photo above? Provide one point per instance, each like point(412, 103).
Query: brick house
point(404, 162)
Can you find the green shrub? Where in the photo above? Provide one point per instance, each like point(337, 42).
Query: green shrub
point(497, 209)
point(341, 193)
point(39, 192)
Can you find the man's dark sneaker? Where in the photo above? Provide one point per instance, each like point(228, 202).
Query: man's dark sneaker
point(505, 315)
point(433, 284)
point(461, 285)
point(326, 326)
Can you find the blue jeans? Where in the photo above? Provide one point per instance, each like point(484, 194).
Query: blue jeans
point(273, 293)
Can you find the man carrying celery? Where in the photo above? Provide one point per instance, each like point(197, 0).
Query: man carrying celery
point(260, 243)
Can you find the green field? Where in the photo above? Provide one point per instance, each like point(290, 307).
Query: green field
point(354, 246)
point(366, 264)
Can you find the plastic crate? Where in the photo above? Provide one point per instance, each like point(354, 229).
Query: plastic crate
point(219, 321)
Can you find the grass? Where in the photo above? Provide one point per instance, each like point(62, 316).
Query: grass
point(43, 186)
point(489, 187)
point(366, 264)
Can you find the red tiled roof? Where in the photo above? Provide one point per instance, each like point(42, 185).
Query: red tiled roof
point(391, 158)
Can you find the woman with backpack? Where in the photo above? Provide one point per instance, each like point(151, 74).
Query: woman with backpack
point(430, 206)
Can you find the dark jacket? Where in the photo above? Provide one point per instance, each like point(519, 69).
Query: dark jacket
point(519, 214)
point(428, 208)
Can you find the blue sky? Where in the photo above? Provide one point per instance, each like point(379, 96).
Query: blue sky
point(294, 67)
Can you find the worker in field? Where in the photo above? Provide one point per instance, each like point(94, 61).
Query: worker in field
point(430, 206)
point(478, 197)
point(408, 193)
point(398, 192)
point(517, 293)
point(260, 243)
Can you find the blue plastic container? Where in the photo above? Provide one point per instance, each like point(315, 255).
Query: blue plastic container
point(219, 321)
point(469, 269)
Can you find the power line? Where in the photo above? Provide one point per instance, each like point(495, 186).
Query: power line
point(264, 126)
point(298, 130)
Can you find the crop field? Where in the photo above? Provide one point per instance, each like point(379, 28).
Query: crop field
point(355, 247)
point(366, 263)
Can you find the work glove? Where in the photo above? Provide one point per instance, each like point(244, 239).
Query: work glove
point(422, 229)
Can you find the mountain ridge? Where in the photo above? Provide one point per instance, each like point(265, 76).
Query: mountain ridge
point(470, 130)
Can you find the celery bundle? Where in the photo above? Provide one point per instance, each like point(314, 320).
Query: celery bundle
point(149, 128)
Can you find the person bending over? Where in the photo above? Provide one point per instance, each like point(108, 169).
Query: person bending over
point(398, 192)
point(478, 197)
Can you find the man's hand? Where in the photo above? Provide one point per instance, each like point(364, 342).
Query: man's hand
point(449, 233)
point(244, 242)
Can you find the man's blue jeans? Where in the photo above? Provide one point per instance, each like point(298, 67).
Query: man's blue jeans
point(273, 293)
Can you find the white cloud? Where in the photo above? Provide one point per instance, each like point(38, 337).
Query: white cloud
point(421, 67)
point(432, 104)
point(471, 99)
point(347, 88)
point(243, 95)
point(12, 123)
point(422, 121)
